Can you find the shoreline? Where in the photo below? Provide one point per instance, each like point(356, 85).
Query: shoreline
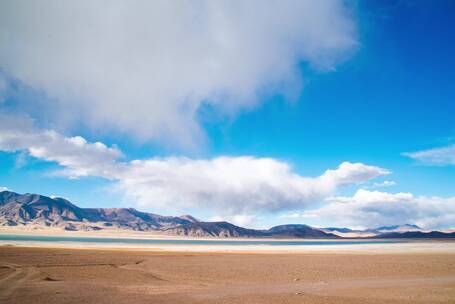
point(145, 235)
point(376, 246)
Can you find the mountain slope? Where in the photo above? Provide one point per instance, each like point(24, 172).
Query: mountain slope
point(343, 230)
point(16, 209)
point(43, 211)
point(298, 231)
point(225, 229)
point(417, 235)
point(28, 207)
point(216, 229)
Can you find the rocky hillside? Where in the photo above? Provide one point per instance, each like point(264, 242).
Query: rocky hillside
point(225, 229)
point(38, 210)
point(17, 209)
point(214, 229)
point(298, 231)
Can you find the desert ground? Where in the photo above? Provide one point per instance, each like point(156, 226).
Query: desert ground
point(59, 275)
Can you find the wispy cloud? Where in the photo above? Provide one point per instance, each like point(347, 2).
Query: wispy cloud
point(436, 156)
point(21, 160)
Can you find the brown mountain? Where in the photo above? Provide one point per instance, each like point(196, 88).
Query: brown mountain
point(213, 229)
point(34, 209)
point(17, 209)
point(298, 231)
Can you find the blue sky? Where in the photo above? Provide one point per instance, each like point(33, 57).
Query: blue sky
point(383, 88)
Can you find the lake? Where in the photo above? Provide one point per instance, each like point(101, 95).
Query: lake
point(138, 241)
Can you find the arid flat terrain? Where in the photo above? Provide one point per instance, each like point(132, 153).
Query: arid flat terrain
point(46, 275)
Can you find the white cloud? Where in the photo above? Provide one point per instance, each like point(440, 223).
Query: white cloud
point(236, 188)
point(234, 185)
point(436, 156)
point(75, 154)
point(145, 67)
point(2, 189)
point(351, 174)
point(227, 185)
point(386, 183)
point(374, 208)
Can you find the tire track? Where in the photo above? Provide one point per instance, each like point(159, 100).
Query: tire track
point(11, 282)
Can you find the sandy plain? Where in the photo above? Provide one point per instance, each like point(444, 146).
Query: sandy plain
point(69, 275)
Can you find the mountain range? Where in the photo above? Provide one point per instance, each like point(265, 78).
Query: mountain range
point(39, 211)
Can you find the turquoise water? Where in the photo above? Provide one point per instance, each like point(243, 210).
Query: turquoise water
point(138, 241)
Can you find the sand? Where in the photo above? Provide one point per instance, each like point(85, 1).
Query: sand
point(58, 275)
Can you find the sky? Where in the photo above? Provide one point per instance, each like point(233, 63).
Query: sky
point(327, 113)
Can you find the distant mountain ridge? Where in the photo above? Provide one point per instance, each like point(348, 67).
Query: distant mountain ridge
point(417, 235)
point(375, 231)
point(41, 211)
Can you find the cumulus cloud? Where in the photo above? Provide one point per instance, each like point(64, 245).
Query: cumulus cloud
point(146, 67)
point(230, 185)
point(374, 208)
point(235, 185)
point(75, 154)
point(2, 189)
point(437, 156)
